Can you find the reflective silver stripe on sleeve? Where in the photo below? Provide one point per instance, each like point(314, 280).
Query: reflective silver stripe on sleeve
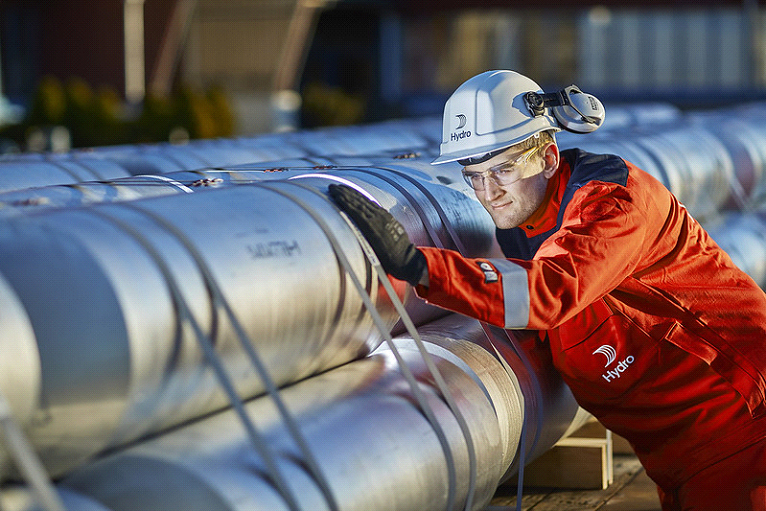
point(515, 293)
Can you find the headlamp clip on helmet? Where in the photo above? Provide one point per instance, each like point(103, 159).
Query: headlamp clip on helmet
point(573, 109)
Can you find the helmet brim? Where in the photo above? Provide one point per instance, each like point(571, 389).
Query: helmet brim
point(489, 148)
point(473, 153)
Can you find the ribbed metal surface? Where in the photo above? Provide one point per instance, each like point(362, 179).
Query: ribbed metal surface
point(546, 407)
point(107, 328)
point(354, 418)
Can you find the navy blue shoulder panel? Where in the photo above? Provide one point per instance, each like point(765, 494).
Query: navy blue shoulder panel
point(586, 167)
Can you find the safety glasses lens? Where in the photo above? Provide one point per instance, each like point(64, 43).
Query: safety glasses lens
point(503, 174)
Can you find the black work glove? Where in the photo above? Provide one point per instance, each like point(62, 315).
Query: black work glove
point(397, 254)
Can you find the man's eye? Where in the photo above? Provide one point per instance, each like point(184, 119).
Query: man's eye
point(502, 172)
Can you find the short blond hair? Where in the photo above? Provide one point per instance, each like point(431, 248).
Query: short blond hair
point(538, 139)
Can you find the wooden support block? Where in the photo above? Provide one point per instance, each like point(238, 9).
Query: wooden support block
point(580, 464)
point(582, 460)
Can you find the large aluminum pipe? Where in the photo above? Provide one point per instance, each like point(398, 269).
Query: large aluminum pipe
point(104, 163)
point(374, 446)
point(394, 135)
point(165, 158)
point(91, 294)
point(622, 118)
point(150, 185)
point(625, 149)
point(691, 161)
point(745, 139)
point(542, 404)
point(21, 173)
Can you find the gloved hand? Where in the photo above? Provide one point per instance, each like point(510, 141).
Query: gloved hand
point(397, 254)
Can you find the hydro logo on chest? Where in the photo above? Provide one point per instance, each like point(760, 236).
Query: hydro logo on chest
point(611, 355)
point(612, 375)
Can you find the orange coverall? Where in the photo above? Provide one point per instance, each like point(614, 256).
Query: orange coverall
point(658, 334)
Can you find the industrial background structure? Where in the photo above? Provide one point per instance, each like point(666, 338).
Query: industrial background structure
point(306, 63)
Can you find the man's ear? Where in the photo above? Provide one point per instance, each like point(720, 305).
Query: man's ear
point(551, 158)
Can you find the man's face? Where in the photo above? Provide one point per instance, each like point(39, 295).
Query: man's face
point(511, 186)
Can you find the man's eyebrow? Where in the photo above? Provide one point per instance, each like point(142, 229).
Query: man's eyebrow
point(511, 162)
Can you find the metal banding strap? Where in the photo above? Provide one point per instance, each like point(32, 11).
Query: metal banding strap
point(380, 324)
point(461, 248)
point(26, 460)
point(168, 180)
point(524, 429)
point(186, 316)
point(405, 318)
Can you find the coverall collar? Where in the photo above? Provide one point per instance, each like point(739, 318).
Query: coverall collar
point(544, 218)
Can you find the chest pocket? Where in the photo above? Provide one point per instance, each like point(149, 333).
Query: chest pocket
point(602, 355)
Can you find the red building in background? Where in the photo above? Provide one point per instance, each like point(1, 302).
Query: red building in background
point(77, 38)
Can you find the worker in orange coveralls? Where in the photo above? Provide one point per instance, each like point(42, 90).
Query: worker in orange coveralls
point(657, 333)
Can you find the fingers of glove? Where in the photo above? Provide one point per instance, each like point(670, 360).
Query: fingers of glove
point(368, 216)
point(395, 230)
point(354, 202)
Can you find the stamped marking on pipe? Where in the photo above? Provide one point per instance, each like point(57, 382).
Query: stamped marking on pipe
point(274, 249)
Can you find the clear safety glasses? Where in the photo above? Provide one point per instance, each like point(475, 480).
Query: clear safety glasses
point(502, 174)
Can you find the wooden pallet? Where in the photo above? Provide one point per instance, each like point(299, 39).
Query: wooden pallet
point(632, 490)
point(583, 460)
point(592, 469)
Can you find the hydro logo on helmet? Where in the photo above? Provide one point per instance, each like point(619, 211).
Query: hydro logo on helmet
point(495, 110)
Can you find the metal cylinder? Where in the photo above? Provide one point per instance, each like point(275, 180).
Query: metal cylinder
point(708, 170)
point(354, 420)
point(537, 398)
point(21, 172)
point(746, 145)
point(95, 286)
point(407, 171)
point(115, 363)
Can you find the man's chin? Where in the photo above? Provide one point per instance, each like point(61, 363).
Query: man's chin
point(502, 223)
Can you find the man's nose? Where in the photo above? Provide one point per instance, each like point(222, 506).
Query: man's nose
point(491, 188)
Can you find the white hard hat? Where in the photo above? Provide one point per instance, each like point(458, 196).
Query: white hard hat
point(497, 109)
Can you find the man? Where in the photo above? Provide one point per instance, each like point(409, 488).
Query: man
point(652, 326)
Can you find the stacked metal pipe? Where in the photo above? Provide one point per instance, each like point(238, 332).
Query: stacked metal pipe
point(130, 301)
